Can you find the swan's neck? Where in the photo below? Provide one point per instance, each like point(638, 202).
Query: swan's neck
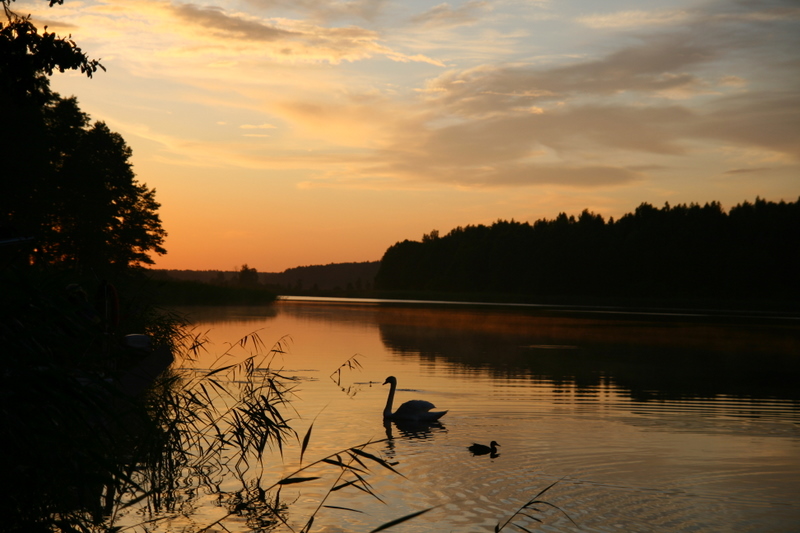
point(387, 411)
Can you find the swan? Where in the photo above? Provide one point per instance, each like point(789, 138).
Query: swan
point(482, 449)
point(411, 411)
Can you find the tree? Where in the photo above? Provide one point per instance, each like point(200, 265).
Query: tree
point(27, 58)
point(247, 277)
point(68, 184)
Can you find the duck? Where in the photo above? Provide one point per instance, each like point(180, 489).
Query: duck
point(482, 449)
point(413, 411)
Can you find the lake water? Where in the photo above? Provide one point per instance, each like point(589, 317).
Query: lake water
point(661, 422)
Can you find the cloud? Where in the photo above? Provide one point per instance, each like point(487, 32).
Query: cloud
point(325, 10)
point(532, 149)
point(444, 15)
point(652, 68)
point(747, 170)
point(228, 26)
point(515, 175)
point(767, 120)
point(221, 37)
point(55, 26)
point(258, 127)
point(636, 19)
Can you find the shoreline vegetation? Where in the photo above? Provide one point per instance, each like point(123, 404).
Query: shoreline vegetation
point(189, 292)
point(681, 257)
point(197, 293)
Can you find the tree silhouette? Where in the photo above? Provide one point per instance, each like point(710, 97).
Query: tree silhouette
point(686, 252)
point(247, 276)
point(67, 183)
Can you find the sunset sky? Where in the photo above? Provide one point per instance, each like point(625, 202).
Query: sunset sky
point(281, 133)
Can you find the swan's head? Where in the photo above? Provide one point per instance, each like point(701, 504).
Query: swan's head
point(391, 379)
point(493, 443)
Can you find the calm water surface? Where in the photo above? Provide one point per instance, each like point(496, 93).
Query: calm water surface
point(658, 423)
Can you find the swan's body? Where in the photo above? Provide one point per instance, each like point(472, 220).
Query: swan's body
point(416, 411)
point(482, 449)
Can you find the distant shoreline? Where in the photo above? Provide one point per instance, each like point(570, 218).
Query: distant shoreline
point(608, 311)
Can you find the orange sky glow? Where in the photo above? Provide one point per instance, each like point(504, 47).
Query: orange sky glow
point(281, 133)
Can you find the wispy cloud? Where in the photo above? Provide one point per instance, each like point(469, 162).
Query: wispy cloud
point(444, 15)
point(258, 127)
point(747, 170)
point(225, 26)
point(213, 33)
point(634, 19)
point(325, 10)
point(650, 68)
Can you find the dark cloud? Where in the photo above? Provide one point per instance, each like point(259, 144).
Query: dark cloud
point(222, 24)
point(322, 10)
point(651, 129)
point(586, 176)
point(511, 174)
point(650, 68)
point(304, 41)
point(747, 170)
point(769, 120)
point(513, 150)
point(508, 138)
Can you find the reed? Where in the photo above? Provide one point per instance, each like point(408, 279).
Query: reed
point(531, 507)
point(222, 422)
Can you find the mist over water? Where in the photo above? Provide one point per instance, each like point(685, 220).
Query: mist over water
point(647, 423)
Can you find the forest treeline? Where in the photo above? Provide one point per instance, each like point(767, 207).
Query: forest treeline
point(686, 253)
point(330, 277)
point(351, 277)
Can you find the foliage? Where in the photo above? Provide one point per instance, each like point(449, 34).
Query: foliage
point(686, 252)
point(62, 417)
point(334, 279)
point(26, 58)
point(247, 277)
point(180, 292)
point(68, 184)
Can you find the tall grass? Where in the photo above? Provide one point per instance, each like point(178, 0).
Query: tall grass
point(219, 424)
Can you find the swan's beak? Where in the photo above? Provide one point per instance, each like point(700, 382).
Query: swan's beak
point(385, 382)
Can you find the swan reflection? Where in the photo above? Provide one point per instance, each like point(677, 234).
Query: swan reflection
point(412, 430)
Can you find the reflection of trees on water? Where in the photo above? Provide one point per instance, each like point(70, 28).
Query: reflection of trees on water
point(650, 356)
point(228, 313)
point(666, 358)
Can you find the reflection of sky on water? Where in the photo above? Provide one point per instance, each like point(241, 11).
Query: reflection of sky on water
point(649, 426)
point(649, 358)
